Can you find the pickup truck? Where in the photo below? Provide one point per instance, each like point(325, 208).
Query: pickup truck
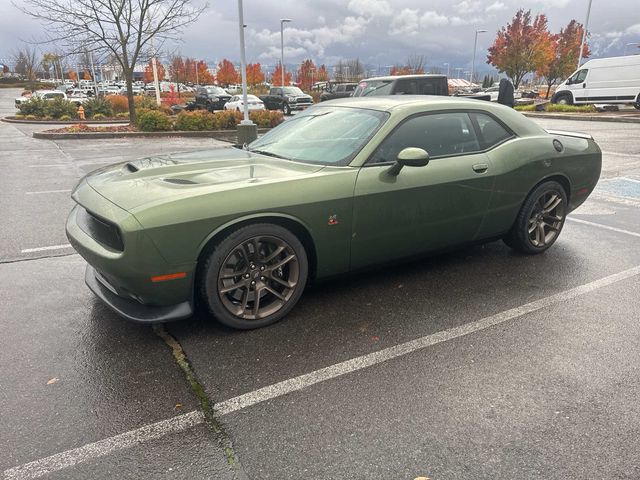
point(339, 90)
point(211, 97)
point(286, 99)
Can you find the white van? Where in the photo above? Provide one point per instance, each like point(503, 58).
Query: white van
point(603, 80)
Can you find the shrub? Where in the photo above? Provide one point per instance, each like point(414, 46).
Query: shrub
point(97, 105)
point(195, 121)
point(525, 108)
point(99, 116)
point(122, 115)
point(58, 107)
point(33, 107)
point(227, 119)
point(19, 116)
point(266, 118)
point(153, 121)
point(120, 103)
point(144, 101)
point(65, 118)
point(30, 117)
point(556, 107)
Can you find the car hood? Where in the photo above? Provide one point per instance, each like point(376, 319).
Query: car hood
point(300, 97)
point(162, 179)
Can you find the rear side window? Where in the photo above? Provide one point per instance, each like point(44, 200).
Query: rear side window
point(439, 134)
point(421, 86)
point(491, 132)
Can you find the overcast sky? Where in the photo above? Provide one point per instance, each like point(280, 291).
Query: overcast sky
point(379, 32)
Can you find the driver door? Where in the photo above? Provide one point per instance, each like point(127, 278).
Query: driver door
point(422, 208)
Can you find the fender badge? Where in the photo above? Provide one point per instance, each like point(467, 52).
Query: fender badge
point(333, 220)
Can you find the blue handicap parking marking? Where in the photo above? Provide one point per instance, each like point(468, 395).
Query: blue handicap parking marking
point(620, 187)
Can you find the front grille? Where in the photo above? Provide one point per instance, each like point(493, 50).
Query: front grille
point(100, 230)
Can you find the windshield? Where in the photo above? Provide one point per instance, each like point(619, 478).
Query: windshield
point(375, 87)
point(292, 91)
point(321, 135)
point(215, 90)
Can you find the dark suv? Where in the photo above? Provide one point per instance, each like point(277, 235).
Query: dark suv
point(211, 97)
point(339, 90)
point(403, 85)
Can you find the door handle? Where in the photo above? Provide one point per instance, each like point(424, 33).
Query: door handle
point(480, 167)
point(584, 85)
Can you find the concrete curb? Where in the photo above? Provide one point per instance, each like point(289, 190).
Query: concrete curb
point(223, 135)
point(64, 122)
point(584, 118)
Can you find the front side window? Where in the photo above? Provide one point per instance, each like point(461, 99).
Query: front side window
point(439, 134)
point(579, 76)
point(321, 135)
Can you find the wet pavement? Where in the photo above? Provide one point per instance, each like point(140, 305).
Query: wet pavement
point(550, 392)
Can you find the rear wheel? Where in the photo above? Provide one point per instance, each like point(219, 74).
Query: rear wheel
point(540, 220)
point(254, 276)
point(637, 104)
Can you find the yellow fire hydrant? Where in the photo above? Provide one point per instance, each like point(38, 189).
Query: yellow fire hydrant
point(81, 112)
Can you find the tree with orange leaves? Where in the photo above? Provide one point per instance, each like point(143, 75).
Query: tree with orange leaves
point(72, 75)
point(86, 75)
point(566, 50)
point(148, 72)
point(522, 46)
point(306, 74)
point(255, 76)
point(323, 74)
point(204, 76)
point(276, 78)
point(227, 73)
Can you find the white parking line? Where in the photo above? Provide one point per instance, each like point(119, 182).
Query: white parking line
point(50, 165)
point(104, 447)
point(69, 458)
point(605, 227)
point(43, 249)
point(47, 191)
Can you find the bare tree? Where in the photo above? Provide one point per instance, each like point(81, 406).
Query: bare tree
point(27, 63)
point(122, 29)
point(416, 63)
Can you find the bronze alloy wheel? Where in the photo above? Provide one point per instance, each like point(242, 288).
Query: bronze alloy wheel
point(258, 277)
point(540, 220)
point(254, 276)
point(546, 219)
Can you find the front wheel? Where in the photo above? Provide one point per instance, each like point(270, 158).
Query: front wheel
point(254, 276)
point(540, 220)
point(286, 109)
point(565, 99)
point(637, 104)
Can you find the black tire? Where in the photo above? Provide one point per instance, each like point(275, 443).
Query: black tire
point(637, 104)
point(266, 282)
point(564, 99)
point(535, 228)
point(286, 109)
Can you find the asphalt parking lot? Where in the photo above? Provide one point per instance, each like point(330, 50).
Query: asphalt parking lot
point(480, 363)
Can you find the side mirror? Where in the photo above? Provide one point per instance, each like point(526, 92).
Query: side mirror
point(409, 157)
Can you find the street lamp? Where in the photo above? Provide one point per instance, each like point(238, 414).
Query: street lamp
point(584, 33)
point(447, 69)
point(473, 62)
point(247, 130)
point(458, 69)
point(628, 44)
point(282, 22)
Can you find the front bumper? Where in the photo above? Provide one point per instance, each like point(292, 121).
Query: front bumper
point(131, 309)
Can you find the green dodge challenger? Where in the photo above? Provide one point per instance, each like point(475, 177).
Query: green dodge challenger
point(344, 185)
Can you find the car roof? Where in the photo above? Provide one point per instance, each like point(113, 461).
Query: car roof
point(412, 104)
point(397, 77)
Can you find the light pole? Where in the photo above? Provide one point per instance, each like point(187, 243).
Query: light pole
point(628, 44)
point(458, 70)
point(473, 62)
point(447, 69)
point(247, 130)
point(282, 22)
point(584, 33)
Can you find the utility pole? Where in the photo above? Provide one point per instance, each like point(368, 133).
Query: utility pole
point(282, 22)
point(584, 33)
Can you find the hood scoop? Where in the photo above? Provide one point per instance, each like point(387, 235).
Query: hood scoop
point(179, 181)
point(131, 167)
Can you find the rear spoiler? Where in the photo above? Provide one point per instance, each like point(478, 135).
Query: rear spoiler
point(586, 136)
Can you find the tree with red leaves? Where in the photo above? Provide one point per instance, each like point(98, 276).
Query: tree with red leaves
point(323, 74)
point(306, 74)
point(276, 78)
point(227, 73)
point(522, 46)
point(148, 72)
point(566, 50)
point(255, 75)
point(204, 76)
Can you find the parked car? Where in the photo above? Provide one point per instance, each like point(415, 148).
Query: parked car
point(344, 185)
point(403, 85)
point(77, 96)
point(44, 94)
point(614, 80)
point(211, 97)
point(286, 99)
point(338, 90)
point(235, 103)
